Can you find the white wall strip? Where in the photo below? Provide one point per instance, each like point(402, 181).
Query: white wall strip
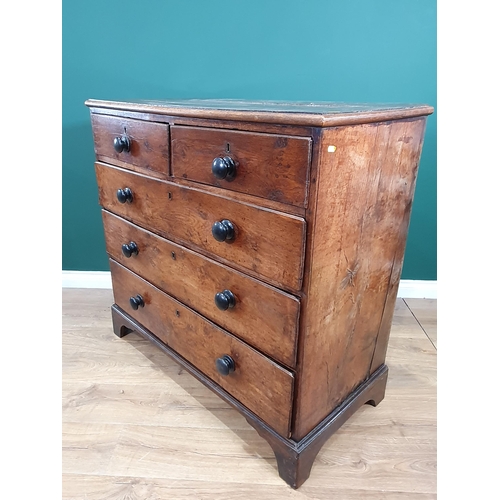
point(86, 279)
point(408, 289)
point(417, 289)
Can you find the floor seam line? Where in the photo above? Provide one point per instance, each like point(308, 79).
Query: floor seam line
point(419, 324)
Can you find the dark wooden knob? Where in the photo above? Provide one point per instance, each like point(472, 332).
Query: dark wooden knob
point(225, 300)
point(121, 143)
point(129, 249)
point(124, 195)
point(225, 365)
point(224, 168)
point(136, 302)
point(223, 230)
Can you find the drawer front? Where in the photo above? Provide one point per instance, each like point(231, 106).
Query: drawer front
point(270, 166)
point(261, 315)
point(266, 244)
point(261, 385)
point(149, 143)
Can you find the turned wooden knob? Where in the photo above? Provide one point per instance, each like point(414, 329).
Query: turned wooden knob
point(224, 168)
point(125, 195)
point(121, 143)
point(225, 300)
point(225, 365)
point(223, 230)
point(129, 249)
point(136, 302)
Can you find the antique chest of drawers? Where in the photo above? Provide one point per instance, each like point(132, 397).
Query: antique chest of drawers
point(260, 245)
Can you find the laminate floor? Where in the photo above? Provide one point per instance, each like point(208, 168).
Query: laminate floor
point(137, 427)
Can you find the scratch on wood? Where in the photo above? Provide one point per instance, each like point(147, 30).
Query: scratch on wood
point(328, 378)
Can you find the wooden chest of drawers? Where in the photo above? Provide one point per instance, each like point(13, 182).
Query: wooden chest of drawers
point(260, 245)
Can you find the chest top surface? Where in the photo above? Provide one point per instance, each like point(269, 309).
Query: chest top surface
point(318, 113)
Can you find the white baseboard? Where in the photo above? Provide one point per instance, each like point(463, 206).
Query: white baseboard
point(86, 279)
point(417, 289)
point(408, 289)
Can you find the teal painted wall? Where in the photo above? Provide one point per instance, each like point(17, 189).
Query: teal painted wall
point(327, 50)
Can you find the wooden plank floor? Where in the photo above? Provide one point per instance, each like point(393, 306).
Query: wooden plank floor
point(137, 427)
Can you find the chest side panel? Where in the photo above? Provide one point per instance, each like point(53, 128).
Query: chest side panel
point(360, 215)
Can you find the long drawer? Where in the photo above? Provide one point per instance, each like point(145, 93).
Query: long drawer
point(260, 314)
point(265, 243)
point(263, 386)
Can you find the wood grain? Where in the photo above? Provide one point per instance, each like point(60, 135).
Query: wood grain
point(149, 143)
point(261, 385)
point(161, 434)
point(270, 166)
point(242, 197)
point(243, 125)
point(283, 113)
point(263, 316)
point(268, 245)
point(363, 199)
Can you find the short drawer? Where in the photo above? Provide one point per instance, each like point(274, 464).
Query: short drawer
point(266, 244)
point(263, 316)
point(271, 166)
point(264, 387)
point(140, 145)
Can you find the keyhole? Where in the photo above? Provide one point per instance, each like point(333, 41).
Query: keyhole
point(227, 147)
